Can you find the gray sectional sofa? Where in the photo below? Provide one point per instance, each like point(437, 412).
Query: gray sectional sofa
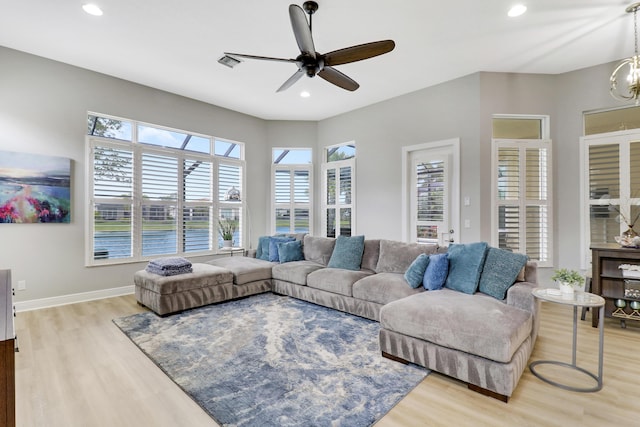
point(476, 338)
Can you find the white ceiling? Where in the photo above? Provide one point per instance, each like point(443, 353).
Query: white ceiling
point(174, 46)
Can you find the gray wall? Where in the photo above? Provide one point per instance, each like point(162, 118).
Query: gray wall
point(43, 107)
point(449, 110)
point(43, 110)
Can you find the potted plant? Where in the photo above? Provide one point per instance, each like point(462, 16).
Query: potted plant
point(568, 280)
point(226, 228)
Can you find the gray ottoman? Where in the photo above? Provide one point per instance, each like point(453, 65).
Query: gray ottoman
point(170, 294)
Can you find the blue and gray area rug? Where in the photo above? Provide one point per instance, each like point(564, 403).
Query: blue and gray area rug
point(269, 360)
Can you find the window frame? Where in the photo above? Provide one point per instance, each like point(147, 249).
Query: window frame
point(623, 140)
point(522, 145)
point(292, 204)
point(338, 164)
point(137, 200)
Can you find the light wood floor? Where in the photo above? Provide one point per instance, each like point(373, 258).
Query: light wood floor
point(75, 368)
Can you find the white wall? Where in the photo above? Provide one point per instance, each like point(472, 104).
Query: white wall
point(43, 110)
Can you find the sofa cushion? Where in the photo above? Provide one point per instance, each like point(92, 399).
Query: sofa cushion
point(273, 246)
point(347, 253)
point(383, 288)
point(465, 265)
point(262, 251)
point(500, 271)
point(335, 280)
point(295, 272)
point(290, 251)
point(245, 269)
point(396, 257)
point(370, 255)
point(415, 273)
point(436, 273)
point(476, 324)
point(318, 249)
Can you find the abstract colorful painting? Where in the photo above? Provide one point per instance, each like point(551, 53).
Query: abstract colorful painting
point(34, 188)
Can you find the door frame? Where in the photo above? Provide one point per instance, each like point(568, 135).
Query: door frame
point(452, 145)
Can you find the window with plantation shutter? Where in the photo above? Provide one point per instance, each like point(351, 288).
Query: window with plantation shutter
point(291, 189)
point(338, 185)
point(611, 179)
point(522, 219)
point(112, 184)
point(153, 191)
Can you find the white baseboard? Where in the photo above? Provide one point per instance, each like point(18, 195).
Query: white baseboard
point(37, 304)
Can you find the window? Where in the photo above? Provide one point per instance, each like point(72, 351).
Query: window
point(292, 190)
point(521, 217)
point(152, 191)
point(338, 184)
point(611, 186)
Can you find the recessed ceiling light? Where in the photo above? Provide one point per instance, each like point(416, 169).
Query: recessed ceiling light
point(92, 9)
point(517, 10)
point(305, 94)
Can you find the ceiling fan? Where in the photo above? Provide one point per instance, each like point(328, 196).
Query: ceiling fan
point(312, 63)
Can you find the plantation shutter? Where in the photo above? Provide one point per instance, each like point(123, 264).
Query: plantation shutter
point(159, 204)
point(230, 197)
point(430, 199)
point(292, 198)
point(196, 216)
point(112, 202)
point(522, 198)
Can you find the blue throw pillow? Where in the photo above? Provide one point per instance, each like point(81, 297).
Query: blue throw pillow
point(465, 266)
point(290, 251)
point(500, 271)
point(347, 253)
point(436, 273)
point(273, 247)
point(415, 272)
point(262, 251)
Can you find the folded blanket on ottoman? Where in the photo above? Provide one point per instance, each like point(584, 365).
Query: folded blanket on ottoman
point(169, 266)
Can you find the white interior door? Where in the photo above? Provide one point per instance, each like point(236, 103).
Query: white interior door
point(432, 193)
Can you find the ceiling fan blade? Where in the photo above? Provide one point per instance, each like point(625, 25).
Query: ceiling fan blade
point(337, 78)
point(359, 52)
point(301, 30)
point(263, 58)
point(291, 80)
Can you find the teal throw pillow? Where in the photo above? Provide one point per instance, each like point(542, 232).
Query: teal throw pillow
point(436, 273)
point(262, 251)
point(465, 266)
point(415, 272)
point(347, 253)
point(501, 269)
point(290, 251)
point(273, 247)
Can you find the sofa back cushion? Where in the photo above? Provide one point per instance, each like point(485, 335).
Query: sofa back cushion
point(318, 249)
point(396, 257)
point(370, 255)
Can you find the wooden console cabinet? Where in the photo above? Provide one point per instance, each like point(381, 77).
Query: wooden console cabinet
point(608, 282)
point(7, 352)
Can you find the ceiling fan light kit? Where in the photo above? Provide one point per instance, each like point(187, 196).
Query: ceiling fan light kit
point(632, 76)
point(313, 63)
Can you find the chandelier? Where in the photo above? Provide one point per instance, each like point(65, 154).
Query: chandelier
point(632, 77)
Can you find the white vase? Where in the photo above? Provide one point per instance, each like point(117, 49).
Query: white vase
point(565, 288)
point(227, 243)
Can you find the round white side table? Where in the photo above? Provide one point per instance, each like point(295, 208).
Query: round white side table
point(577, 299)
